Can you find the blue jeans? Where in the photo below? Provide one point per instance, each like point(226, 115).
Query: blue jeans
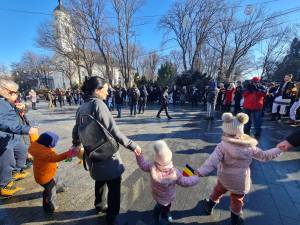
point(119, 109)
point(133, 108)
point(12, 159)
point(256, 116)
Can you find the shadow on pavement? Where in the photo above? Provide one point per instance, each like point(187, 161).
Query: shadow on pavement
point(22, 198)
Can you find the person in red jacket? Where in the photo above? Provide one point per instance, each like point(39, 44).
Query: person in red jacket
point(229, 95)
point(254, 95)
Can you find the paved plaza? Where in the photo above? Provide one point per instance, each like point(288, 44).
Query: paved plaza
point(273, 200)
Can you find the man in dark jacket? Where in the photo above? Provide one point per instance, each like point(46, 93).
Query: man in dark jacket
point(134, 96)
point(238, 95)
point(282, 97)
point(254, 95)
point(143, 99)
point(164, 103)
point(119, 99)
point(13, 152)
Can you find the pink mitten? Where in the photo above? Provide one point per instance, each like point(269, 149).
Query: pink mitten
point(72, 153)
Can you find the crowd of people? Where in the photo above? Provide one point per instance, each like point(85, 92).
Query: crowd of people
point(97, 133)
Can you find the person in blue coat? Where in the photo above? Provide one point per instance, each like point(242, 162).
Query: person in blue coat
point(13, 152)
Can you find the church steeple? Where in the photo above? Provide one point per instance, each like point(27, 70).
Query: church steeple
point(60, 6)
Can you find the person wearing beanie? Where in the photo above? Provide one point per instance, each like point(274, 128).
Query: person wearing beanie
point(164, 177)
point(232, 158)
point(254, 96)
point(45, 164)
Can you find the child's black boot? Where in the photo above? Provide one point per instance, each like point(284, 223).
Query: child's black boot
point(165, 219)
point(236, 219)
point(209, 206)
point(156, 211)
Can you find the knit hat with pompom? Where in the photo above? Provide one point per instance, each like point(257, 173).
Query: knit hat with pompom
point(234, 125)
point(162, 153)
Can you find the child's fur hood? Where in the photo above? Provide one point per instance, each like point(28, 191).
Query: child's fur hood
point(244, 140)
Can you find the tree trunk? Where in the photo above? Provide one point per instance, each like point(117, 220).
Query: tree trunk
point(79, 75)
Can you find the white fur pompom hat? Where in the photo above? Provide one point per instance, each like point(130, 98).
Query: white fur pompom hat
point(234, 125)
point(162, 153)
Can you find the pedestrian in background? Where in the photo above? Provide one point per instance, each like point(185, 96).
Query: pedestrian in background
point(211, 99)
point(254, 95)
point(164, 103)
point(119, 98)
point(143, 99)
point(33, 98)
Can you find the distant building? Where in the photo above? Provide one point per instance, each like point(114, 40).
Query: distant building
point(64, 35)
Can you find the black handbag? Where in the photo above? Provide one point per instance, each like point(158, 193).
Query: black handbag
point(98, 143)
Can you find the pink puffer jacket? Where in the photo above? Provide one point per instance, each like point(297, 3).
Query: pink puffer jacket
point(232, 157)
point(164, 180)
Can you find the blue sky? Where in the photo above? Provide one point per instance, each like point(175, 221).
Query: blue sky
point(18, 30)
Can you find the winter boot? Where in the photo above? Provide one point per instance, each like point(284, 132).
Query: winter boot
point(9, 190)
point(273, 117)
point(165, 220)
point(236, 219)
point(279, 117)
point(156, 212)
point(20, 175)
point(209, 206)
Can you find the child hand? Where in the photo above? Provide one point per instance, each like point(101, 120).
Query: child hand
point(198, 174)
point(72, 152)
point(284, 146)
point(138, 151)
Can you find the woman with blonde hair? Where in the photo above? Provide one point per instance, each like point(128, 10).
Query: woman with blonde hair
point(13, 152)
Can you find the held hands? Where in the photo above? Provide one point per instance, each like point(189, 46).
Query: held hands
point(138, 151)
point(72, 152)
point(196, 173)
point(284, 146)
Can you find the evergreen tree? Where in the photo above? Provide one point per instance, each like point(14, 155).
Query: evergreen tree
point(166, 73)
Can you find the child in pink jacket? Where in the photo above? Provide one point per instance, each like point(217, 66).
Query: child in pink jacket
point(232, 158)
point(164, 177)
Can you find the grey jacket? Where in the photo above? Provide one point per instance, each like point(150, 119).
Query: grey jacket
point(113, 167)
point(212, 96)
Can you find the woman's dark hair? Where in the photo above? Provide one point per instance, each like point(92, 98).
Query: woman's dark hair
point(91, 84)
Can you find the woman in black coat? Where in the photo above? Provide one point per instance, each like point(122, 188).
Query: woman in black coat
point(105, 171)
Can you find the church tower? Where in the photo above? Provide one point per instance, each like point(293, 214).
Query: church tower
point(63, 27)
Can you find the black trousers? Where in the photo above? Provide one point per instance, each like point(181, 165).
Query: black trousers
point(164, 107)
point(49, 196)
point(165, 210)
point(113, 197)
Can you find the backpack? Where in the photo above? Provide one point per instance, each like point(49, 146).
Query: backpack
point(98, 143)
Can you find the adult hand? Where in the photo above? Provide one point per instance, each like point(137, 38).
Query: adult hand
point(284, 145)
point(20, 106)
point(33, 130)
point(138, 151)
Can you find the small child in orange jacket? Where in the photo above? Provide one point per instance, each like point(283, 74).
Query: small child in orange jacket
point(45, 164)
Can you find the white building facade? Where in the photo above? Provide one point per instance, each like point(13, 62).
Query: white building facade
point(62, 23)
